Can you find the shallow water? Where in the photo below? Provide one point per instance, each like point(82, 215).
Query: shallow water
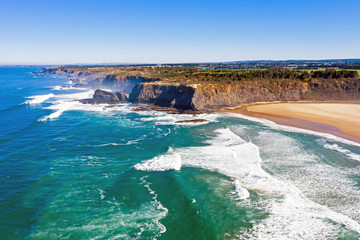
point(75, 171)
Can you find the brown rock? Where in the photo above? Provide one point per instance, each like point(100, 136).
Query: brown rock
point(101, 96)
point(139, 109)
point(121, 96)
point(192, 121)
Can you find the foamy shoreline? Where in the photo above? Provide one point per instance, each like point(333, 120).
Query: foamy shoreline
point(339, 119)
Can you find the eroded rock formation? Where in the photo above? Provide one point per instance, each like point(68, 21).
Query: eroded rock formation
point(186, 89)
point(214, 96)
point(101, 96)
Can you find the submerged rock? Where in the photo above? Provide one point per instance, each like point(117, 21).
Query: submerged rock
point(139, 109)
point(192, 121)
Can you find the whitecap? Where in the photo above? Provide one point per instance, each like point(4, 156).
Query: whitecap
point(109, 144)
point(102, 193)
point(161, 163)
point(169, 131)
point(133, 141)
point(69, 102)
point(39, 98)
point(60, 107)
point(291, 213)
point(75, 96)
point(241, 192)
point(157, 204)
point(162, 118)
point(57, 88)
point(346, 152)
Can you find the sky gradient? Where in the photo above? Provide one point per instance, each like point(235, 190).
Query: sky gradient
point(143, 31)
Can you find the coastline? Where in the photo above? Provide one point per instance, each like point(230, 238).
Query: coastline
point(341, 119)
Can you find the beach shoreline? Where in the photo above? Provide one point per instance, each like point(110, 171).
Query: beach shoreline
point(341, 119)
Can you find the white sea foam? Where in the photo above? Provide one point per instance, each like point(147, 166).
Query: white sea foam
point(164, 162)
point(339, 149)
point(102, 193)
point(109, 144)
point(163, 211)
point(66, 88)
point(241, 192)
point(68, 102)
point(336, 195)
point(75, 96)
point(57, 88)
point(168, 132)
point(111, 221)
point(274, 125)
point(60, 107)
point(162, 118)
point(39, 98)
point(135, 141)
point(291, 214)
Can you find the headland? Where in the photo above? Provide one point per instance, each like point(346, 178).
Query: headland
point(196, 89)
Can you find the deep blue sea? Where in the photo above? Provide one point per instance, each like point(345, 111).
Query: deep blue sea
point(75, 171)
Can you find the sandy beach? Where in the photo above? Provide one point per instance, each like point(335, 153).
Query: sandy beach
point(339, 119)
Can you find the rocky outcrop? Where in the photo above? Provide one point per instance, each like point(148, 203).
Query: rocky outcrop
point(164, 95)
point(121, 96)
point(101, 96)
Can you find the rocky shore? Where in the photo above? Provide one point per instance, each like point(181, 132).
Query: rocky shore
point(136, 86)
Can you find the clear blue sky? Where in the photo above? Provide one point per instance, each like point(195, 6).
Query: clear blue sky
point(154, 31)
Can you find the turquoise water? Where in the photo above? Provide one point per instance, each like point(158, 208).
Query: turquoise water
point(74, 171)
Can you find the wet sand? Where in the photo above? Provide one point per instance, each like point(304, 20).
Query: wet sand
point(339, 119)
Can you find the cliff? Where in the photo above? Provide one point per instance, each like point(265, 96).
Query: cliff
point(189, 88)
point(164, 95)
point(201, 97)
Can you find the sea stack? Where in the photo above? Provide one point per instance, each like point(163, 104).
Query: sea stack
point(104, 97)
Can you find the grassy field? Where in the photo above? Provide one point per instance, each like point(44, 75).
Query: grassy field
point(323, 69)
point(185, 74)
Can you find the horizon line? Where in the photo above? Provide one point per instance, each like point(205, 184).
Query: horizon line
point(171, 63)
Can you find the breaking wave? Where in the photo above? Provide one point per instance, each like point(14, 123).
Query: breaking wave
point(39, 98)
point(291, 213)
point(340, 149)
point(164, 162)
point(162, 118)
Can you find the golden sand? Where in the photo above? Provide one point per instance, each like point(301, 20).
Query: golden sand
point(341, 119)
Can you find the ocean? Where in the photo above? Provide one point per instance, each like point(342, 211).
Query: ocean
point(75, 171)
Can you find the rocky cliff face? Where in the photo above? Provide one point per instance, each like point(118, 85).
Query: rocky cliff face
point(164, 95)
point(214, 96)
point(201, 94)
